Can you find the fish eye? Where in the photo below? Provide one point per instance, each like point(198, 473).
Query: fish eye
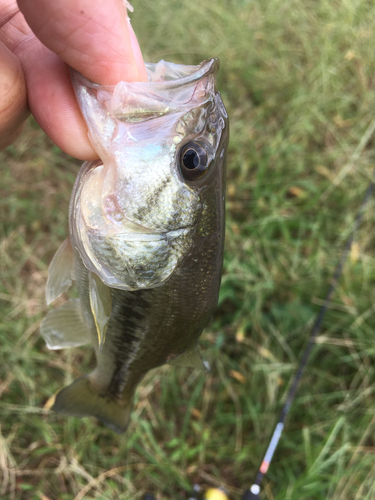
point(193, 161)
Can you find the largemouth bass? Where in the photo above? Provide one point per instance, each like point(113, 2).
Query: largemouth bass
point(146, 233)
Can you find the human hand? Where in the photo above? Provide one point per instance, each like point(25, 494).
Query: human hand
point(91, 36)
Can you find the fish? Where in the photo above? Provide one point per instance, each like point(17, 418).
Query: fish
point(146, 234)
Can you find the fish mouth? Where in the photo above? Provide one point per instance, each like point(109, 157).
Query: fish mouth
point(171, 88)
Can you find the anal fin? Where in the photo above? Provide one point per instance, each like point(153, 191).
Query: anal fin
point(65, 327)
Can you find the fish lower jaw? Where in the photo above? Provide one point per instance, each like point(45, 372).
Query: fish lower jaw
point(133, 261)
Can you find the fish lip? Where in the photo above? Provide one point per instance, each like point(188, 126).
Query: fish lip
point(166, 92)
point(199, 71)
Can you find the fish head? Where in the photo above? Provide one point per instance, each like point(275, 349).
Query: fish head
point(135, 213)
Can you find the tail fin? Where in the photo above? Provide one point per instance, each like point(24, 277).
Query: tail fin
point(80, 399)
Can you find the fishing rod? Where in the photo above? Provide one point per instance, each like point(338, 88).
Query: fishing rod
point(253, 493)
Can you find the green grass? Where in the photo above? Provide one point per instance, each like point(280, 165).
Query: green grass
point(297, 78)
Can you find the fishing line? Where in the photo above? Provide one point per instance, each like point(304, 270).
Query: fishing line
point(254, 492)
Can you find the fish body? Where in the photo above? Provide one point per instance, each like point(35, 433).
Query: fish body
point(146, 234)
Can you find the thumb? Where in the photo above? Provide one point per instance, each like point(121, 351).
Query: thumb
point(92, 36)
point(13, 98)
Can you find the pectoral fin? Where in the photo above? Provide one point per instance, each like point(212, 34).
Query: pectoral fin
point(65, 327)
point(192, 359)
point(101, 305)
point(60, 272)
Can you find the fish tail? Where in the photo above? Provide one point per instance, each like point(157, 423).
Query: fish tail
point(80, 399)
